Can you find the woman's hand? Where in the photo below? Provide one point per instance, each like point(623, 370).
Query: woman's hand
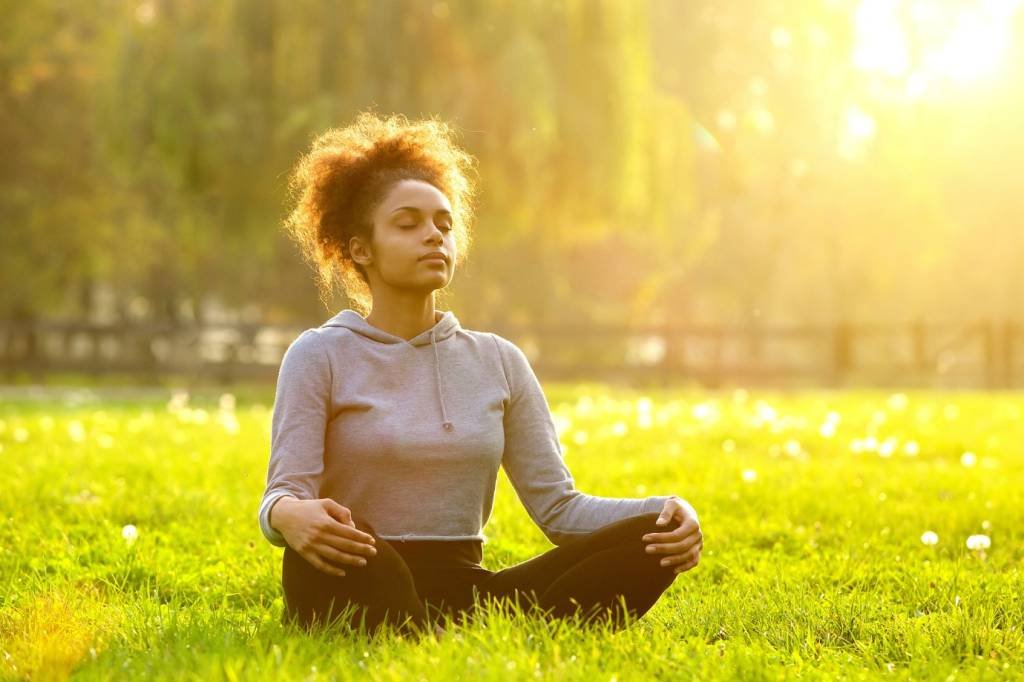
point(682, 545)
point(322, 532)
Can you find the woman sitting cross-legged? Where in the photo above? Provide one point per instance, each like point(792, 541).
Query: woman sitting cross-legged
point(388, 430)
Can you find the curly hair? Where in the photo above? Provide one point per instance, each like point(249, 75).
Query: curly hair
point(336, 186)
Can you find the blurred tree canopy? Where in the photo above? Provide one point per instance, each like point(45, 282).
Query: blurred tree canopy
point(662, 161)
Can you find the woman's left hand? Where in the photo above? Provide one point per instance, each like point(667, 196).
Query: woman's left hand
point(682, 545)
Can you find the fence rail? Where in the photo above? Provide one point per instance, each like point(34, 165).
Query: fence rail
point(979, 354)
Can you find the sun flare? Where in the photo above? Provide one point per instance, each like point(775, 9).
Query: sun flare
point(925, 44)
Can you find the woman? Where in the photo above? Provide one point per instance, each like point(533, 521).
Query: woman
point(388, 430)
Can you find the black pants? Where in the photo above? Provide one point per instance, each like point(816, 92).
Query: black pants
point(413, 583)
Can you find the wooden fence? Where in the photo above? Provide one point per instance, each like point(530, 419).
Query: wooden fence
point(980, 354)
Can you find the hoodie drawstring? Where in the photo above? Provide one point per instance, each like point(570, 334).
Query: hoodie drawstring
point(440, 394)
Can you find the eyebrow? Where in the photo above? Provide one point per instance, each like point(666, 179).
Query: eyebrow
point(413, 208)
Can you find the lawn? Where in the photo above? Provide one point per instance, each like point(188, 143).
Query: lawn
point(836, 533)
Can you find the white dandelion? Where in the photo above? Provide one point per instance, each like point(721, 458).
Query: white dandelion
point(130, 533)
point(977, 543)
point(968, 459)
point(929, 538)
point(749, 475)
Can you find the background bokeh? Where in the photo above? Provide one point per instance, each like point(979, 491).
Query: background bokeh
point(663, 161)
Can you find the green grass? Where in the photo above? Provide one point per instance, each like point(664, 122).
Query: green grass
point(813, 563)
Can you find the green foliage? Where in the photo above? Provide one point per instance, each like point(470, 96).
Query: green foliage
point(812, 505)
point(170, 128)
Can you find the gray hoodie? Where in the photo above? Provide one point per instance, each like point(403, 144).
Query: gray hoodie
point(410, 434)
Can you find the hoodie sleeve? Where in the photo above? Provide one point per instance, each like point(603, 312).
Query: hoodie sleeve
point(299, 422)
point(533, 461)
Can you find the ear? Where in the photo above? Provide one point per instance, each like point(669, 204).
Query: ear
point(359, 251)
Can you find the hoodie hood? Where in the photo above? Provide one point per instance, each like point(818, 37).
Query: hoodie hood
point(445, 326)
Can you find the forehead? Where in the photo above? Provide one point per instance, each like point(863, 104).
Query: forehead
point(417, 194)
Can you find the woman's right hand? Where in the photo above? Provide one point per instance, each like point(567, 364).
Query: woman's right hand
point(322, 532)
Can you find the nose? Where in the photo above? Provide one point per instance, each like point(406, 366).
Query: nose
point(435, 235)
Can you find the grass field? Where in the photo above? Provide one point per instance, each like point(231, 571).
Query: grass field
point(818, 511)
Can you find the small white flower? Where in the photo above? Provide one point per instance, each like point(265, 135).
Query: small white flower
point(129, 533)
point(929, 538)
point(978, 542)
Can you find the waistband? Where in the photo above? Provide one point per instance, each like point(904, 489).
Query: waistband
point(460, 553)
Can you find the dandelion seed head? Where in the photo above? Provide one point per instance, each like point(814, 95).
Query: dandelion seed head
point(968, 459)
point(749, 475)
point(929, 538)
point(978, 542)
point(130, 533)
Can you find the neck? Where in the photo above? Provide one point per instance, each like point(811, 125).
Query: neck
point(403, 317)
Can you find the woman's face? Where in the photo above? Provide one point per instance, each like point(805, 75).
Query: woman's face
point(413, 220)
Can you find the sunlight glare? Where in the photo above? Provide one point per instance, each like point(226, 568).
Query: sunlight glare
point(921, 43)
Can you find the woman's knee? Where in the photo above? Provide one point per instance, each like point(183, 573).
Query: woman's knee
point(634, 529)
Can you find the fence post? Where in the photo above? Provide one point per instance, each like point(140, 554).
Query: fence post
point(920, 344)
point(989, 351)
point(841, 352)
point(1007, 355)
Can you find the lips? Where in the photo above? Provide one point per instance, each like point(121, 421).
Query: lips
point(436, 255)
